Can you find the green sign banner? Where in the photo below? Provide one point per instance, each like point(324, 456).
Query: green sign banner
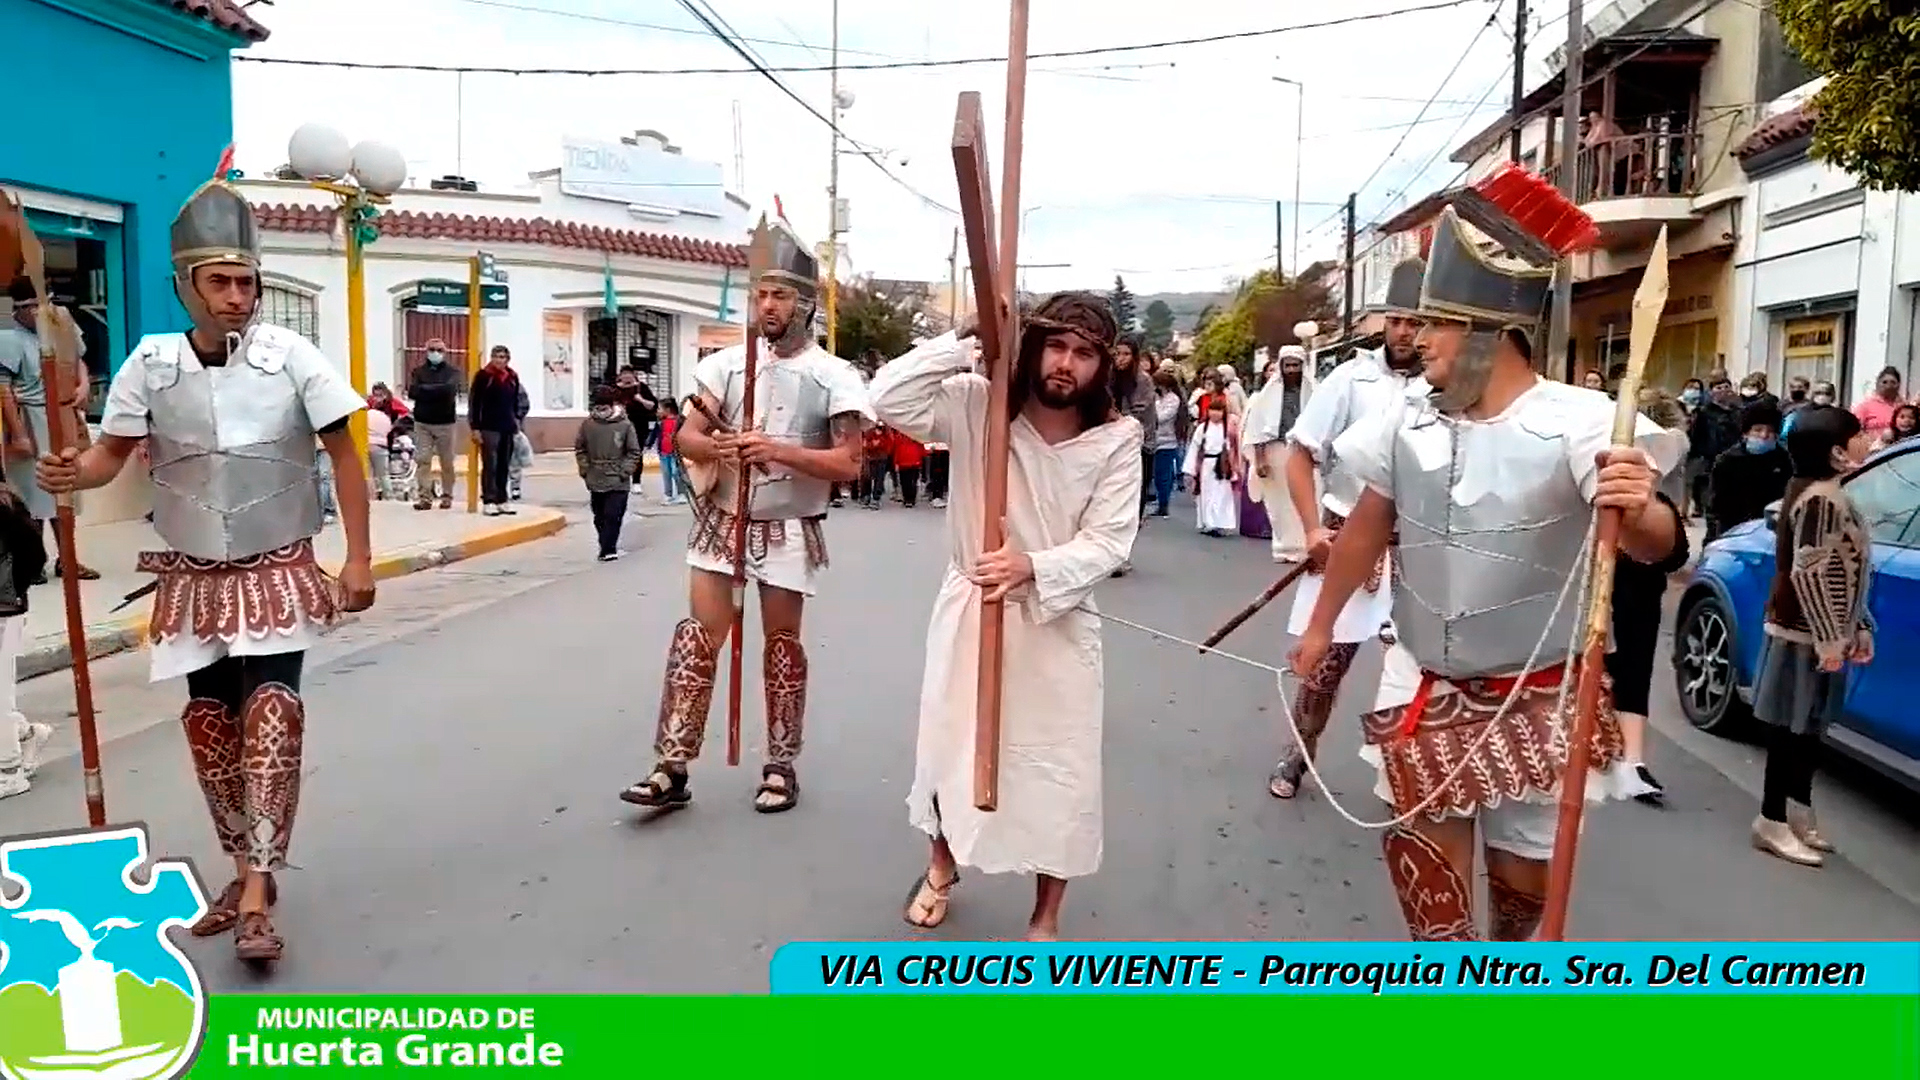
point(1861, 1037)
point(453, 294)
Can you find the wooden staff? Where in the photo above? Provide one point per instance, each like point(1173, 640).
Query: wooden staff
point(1286, 580)
point(997, 310)
point(1648, 302)
point(757, 257)
point(59, 365)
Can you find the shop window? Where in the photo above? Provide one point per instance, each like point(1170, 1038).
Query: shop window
point(292, 309)
point(639, 337)
point(1812, 348)
point(1687, 351)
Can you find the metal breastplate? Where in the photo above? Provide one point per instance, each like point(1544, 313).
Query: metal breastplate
point(793, 408)
point(1492, 525)
point(225, 504)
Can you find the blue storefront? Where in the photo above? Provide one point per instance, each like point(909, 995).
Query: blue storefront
point(122, 108)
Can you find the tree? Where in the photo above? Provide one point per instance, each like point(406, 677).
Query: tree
point(1122, 303)
point(1158, 326)
point(1869, 110)
point(868, 320)
point(1262, 312)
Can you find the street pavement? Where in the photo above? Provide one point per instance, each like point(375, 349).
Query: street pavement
point(460, 830)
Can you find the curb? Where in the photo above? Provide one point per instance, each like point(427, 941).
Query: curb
point(130, 632)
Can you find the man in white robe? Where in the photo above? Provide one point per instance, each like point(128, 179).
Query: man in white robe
point(1073, 500)
point(1362, 386)
point(1285, 389)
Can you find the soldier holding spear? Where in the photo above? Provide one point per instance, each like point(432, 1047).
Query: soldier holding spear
point(1491, 485)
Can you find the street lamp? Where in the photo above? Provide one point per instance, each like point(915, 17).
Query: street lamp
point(1299, 150)
point(360, 178)
point(842, 101)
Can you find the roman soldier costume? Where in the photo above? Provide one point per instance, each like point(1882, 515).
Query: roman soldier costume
point(801, 394)
point(1492, 523)
point(239, 598)
point(1371, 381)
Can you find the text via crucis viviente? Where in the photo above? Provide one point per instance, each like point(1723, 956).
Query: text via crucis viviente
point(416, 1037)
point(1274, 971)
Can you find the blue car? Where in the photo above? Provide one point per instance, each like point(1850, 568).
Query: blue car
point(1717, 635)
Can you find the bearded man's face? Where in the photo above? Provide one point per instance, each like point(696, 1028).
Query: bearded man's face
point(1440, 342)
point(1291, 371)
point(774, 309)
point(1069, 365)
point(1403, 335)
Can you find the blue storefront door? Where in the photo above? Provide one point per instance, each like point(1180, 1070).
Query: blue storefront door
point(86, 268)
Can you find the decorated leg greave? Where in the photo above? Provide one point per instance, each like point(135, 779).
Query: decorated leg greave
point(1513, 913)
point(214, 740)
point(274, 729)
point(784, 671)
point(1435, 899)
point(685, 694)
point(1313, 706)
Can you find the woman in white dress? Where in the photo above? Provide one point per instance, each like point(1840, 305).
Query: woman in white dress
point(1212, 465)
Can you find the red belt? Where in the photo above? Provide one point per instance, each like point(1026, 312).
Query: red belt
point(1496, 685)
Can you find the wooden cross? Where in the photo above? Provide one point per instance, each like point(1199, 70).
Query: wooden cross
point(998, 313)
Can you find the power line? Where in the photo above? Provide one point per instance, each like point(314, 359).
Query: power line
point(747, 55)
point(899, 65)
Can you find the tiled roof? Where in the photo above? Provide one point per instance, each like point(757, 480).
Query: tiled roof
point(1789, 126)
point(419, 226)
point(225, 14)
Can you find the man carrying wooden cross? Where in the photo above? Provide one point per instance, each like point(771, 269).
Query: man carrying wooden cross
point(1489, 485)
point(1073, 508)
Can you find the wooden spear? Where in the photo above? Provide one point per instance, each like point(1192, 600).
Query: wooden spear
point(1648, 302)
point(998, 312)
point(758, 256)
point(1266, 597)
point(59, 366)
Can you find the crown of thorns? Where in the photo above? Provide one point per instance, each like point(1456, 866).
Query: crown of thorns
point(1083, 313)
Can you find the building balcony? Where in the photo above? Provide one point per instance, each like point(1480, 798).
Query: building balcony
point(1632, 185)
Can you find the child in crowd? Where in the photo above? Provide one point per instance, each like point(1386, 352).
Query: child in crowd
point(606, 449)
point(908, 456)
point(878, 444)
point(671, 482)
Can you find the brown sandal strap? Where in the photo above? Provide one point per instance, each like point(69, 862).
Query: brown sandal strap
point(256, 934)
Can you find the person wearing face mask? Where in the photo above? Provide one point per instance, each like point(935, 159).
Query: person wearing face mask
point(1713, 430)
point(435, 387)
point(1753, 390)
point(1816, 624)
point(1750, 475)
point(1823, 393)
point(1799, 393)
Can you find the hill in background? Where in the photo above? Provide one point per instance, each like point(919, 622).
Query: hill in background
point(1186, 306)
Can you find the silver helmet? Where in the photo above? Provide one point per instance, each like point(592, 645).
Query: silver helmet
point(216, 225)
point(789, 263)
point(1464, 285)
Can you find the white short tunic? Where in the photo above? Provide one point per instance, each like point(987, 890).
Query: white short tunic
point(280, 381)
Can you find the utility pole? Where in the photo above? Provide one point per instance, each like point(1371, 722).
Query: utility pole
point(1279, 242)
point(1560, 330)
point(1519, 77)
point(833, 195)
point(1346, 349)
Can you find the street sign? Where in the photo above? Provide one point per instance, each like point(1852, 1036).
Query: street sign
point(452, 295)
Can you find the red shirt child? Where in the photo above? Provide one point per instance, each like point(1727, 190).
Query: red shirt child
point(669, 424)
point(878, 442)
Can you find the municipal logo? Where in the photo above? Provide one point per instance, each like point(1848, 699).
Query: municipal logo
point(90, 986)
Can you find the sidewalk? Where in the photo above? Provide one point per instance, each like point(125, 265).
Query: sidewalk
point(405, 540)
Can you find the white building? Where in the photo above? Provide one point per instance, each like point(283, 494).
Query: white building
point(634, 217)
point(1827, 272)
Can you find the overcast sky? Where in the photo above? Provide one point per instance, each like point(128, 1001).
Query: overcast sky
point(1159, 164)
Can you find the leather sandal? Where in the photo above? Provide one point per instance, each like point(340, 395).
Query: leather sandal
point(785, 795)
point(939, 905)
point(664, 787)
point(1285, 781)
point(224, 911)
point(255, 940)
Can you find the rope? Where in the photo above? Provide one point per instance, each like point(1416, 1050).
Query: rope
point(1582, 573)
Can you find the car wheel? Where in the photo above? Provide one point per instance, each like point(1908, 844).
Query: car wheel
point(1703, 671)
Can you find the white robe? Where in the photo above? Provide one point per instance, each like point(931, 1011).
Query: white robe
point(1263, 443)
point(1074, 507)
point(1218, 505)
